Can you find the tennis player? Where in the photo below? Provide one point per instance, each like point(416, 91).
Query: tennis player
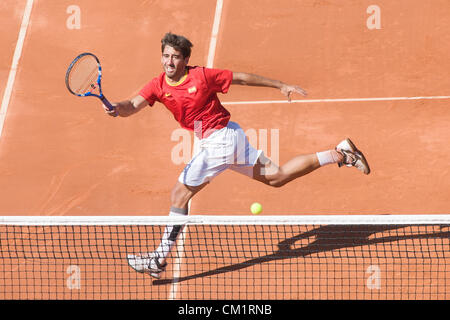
point(190, 93)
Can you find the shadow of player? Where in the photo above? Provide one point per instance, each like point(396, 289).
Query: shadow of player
point(326, 238)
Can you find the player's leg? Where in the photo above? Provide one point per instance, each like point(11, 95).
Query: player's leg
point(154, 263)
point(269, 173)
point(204, 166)
point(345, 153)
point(261, 168)
point(181, 194)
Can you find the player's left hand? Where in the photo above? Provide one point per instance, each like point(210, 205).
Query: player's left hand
point(287, 90)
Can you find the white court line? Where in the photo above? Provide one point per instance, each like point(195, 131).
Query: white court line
point(336, 100)
point(214, 34)
point(14, 64)
point(180, 243)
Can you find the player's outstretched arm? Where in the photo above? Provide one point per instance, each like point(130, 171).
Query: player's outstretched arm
point(127, 107)
point(249, 79)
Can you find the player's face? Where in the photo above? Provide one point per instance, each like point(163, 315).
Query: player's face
point(173, 63)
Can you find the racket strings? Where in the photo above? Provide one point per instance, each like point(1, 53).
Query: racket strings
point(83, 75)
point(91, 84)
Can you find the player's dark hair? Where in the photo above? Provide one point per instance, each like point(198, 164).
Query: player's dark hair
point(177, 42)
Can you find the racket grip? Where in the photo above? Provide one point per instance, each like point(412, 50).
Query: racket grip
point(108, 105)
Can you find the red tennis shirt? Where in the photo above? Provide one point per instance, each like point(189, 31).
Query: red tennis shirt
point(193, 100)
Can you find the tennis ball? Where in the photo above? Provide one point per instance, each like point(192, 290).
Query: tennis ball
point(256, 208)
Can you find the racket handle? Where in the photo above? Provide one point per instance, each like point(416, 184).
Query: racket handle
point(108, 105)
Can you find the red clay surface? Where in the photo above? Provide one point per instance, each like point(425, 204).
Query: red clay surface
point(61, 155)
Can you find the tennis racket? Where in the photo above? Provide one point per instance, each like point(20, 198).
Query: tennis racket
point(84, 76)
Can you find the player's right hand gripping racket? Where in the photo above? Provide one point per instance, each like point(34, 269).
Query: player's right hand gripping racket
point(84, 76)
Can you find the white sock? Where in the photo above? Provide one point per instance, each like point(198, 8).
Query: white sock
point(170, 235)
point(329, 157)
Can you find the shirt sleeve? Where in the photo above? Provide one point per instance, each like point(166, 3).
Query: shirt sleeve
point(219, 80)
point(150, 92)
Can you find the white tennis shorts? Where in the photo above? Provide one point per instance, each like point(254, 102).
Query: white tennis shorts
point(227, 148)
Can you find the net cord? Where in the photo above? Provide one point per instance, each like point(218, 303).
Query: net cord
point(228, 220)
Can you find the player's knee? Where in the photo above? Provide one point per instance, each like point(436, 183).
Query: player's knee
point(269, 173)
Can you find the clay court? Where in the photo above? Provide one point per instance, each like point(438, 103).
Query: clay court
point(385, 86)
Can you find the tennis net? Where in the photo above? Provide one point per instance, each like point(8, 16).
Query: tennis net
point(228, 257)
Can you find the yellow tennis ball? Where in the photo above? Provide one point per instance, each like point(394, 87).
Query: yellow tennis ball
point(256, 208)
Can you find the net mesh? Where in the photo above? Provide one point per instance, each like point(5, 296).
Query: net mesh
point(228, 259)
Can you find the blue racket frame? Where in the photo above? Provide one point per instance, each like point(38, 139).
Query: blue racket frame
point(99, 79)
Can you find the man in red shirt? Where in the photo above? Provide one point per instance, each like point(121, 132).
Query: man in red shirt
point(190, 93)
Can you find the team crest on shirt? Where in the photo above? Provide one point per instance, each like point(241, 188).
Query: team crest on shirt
point(192, 90)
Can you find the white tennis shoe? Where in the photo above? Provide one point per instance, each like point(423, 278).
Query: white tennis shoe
point(147, 263)
point(352, 156)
